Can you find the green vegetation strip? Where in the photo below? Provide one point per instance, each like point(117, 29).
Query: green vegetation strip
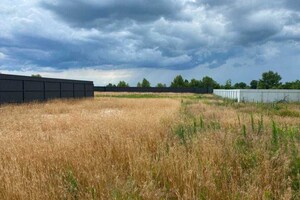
point(147, 95)
point(255, 144)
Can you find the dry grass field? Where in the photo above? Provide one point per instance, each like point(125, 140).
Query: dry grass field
point(165, 146)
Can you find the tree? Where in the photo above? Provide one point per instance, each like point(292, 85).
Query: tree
point(122, 84)
point(178, 82)
point(186, 83)
point(253, 84)
point(228, 84)
point(208, 82)
point(240, 85)
point(291, 85)
point(146, 83)
point(111, 85)
point(295, 84)
point(36, 75)
point(161, 85)
point(269, 80)
point(195, 83)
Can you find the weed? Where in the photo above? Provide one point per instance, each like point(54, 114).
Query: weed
point(195, 126)
point(275, 137)
point(93, 193)
point(215, 125)
point(181, 133)
point(201, 122)
point(295, 174)
point(260, 125)
point(288, 113)
point(239, 119)
point(252, 123)
point(71, 184)
point(244, 131)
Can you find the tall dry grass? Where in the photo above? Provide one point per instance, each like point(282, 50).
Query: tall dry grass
point(160, 148)
point(80, 149)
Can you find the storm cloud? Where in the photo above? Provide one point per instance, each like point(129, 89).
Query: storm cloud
point(100, 13)
point(170, 35)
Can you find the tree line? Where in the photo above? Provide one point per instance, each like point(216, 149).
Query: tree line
point(268, 80)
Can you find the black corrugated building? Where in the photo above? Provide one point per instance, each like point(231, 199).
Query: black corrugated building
point(19, 89)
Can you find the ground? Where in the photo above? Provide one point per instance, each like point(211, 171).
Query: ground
point(149, 146)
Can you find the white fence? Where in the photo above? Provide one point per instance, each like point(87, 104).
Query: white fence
point(265, 96)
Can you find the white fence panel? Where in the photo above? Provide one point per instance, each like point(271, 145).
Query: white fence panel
point(260, 95)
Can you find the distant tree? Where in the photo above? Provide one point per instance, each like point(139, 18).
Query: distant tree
point(240, 85)
point(146, 83)
point(295, 84)
point(228, 84)
point(178, 82)
point(186, 83)
point(208, 82)
point(161, 85)
point(253, 84)
point(291, 85)
point(195, 83)
point(269, 80)
point(36, 75)
point(123, 84)
point(111, 85)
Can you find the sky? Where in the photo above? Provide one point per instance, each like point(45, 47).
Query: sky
point(111, 40)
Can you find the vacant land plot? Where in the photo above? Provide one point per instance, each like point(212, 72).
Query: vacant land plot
point(149, 147)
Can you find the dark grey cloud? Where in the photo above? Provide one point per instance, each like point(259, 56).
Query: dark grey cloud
point(154, 34)
point(293, 4)
point(89, 14)
point(216, 2)
point(256, 28)
point(41, 51)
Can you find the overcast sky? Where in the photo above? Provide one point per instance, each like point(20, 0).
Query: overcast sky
point(112, 40)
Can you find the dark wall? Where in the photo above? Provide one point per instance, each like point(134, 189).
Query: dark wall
point(19, 89)
point(154, 89)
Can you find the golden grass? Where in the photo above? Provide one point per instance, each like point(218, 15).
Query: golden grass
point(158, 148)
point(171, 94)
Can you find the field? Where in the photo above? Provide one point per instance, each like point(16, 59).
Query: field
point(149, 146)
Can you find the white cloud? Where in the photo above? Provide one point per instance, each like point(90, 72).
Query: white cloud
point(2, 56)
point(233, 36)
point(100, 77)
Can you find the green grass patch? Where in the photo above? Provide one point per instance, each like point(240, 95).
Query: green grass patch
point(152, 95)
point(288, 113)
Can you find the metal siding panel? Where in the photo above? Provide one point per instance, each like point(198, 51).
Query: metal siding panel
point(33, 96)
point(66, 86)
point(33, 86)
point(78, 93)
point(52, 94)
point(67, 94)
point(89, 87)
point(11, 85)
point(11, 97)
point(78, 87)
point(89, 93)
point(52, 86)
